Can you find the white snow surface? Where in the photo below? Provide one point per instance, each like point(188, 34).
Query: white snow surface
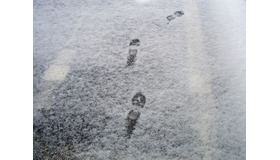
point(191, 71)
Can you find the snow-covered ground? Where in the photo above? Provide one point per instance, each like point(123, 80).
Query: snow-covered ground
point(190, 71)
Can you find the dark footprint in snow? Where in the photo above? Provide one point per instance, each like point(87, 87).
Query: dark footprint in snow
point(171, 17)
point(131, 58)
point(132, 118)
point(134, 42)
point(179, 13)
point(139, 99)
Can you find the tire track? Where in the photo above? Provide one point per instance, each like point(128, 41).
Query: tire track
point(199, 81)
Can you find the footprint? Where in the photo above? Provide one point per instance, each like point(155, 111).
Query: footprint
point(177, 14)
point(134, 42)
point(131, 58)
point(170, 17)
point(132, 118)
point(139, 99)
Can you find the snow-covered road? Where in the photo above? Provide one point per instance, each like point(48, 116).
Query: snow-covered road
point(136, 79)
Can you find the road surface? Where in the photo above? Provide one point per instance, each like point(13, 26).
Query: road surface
point(139, 79)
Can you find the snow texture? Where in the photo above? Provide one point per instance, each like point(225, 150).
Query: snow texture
point(117, 79)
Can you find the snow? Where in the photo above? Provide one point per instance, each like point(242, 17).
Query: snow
point(56, 72)
point(191, 71)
